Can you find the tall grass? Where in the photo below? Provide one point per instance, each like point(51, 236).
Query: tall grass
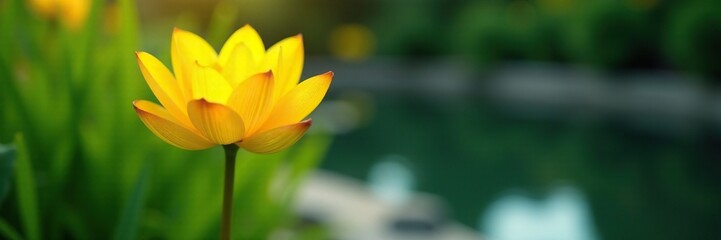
point(84, 167)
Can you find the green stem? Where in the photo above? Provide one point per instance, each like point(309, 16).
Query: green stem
point(231, 150)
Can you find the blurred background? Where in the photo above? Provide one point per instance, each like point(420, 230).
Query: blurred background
point(497, 119)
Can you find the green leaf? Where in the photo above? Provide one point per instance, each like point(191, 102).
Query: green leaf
point(252, 193)
point(127, 43)
point(8, 231)
point(73, 223)
point(7, 158)
point(26, 192)
point(197, 198)
point(128, 224)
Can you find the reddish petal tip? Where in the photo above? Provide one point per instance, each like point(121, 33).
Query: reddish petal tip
point(269, 73)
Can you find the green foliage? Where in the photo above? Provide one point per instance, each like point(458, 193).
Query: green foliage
point(27, 191)
point(692, 41)
point(87, 168)
point(606, 34)
point(490, 32)
point(7, 231)
point(128, 225)
point(410, 29)
point(7, 160)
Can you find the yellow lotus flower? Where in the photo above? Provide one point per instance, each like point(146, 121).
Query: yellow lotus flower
point(71, 12)
point(245, 95)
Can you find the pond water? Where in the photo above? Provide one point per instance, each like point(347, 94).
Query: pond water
point(562, 215)
point(637, 184)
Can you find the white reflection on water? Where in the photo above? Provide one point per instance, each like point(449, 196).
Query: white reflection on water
point(563, 215)
point(390, 180)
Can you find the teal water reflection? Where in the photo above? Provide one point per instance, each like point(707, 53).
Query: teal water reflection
point(639, 185)
point(562, 215)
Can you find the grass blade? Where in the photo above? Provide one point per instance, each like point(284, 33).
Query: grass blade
point(7, 231)
point(128, 224)
point(26, 192)
point(7, 159)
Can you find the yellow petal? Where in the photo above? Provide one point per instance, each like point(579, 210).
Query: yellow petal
point(285, 58)
point(299, 102)
point(276, 139)
point(74, 12)
point(46, 8)
point(247, 36)
point(240, 65)
point(207, 83)
point(216, 121)
point(186, 50)
point(162, 124)
point(163, 85)
point(252, 100)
